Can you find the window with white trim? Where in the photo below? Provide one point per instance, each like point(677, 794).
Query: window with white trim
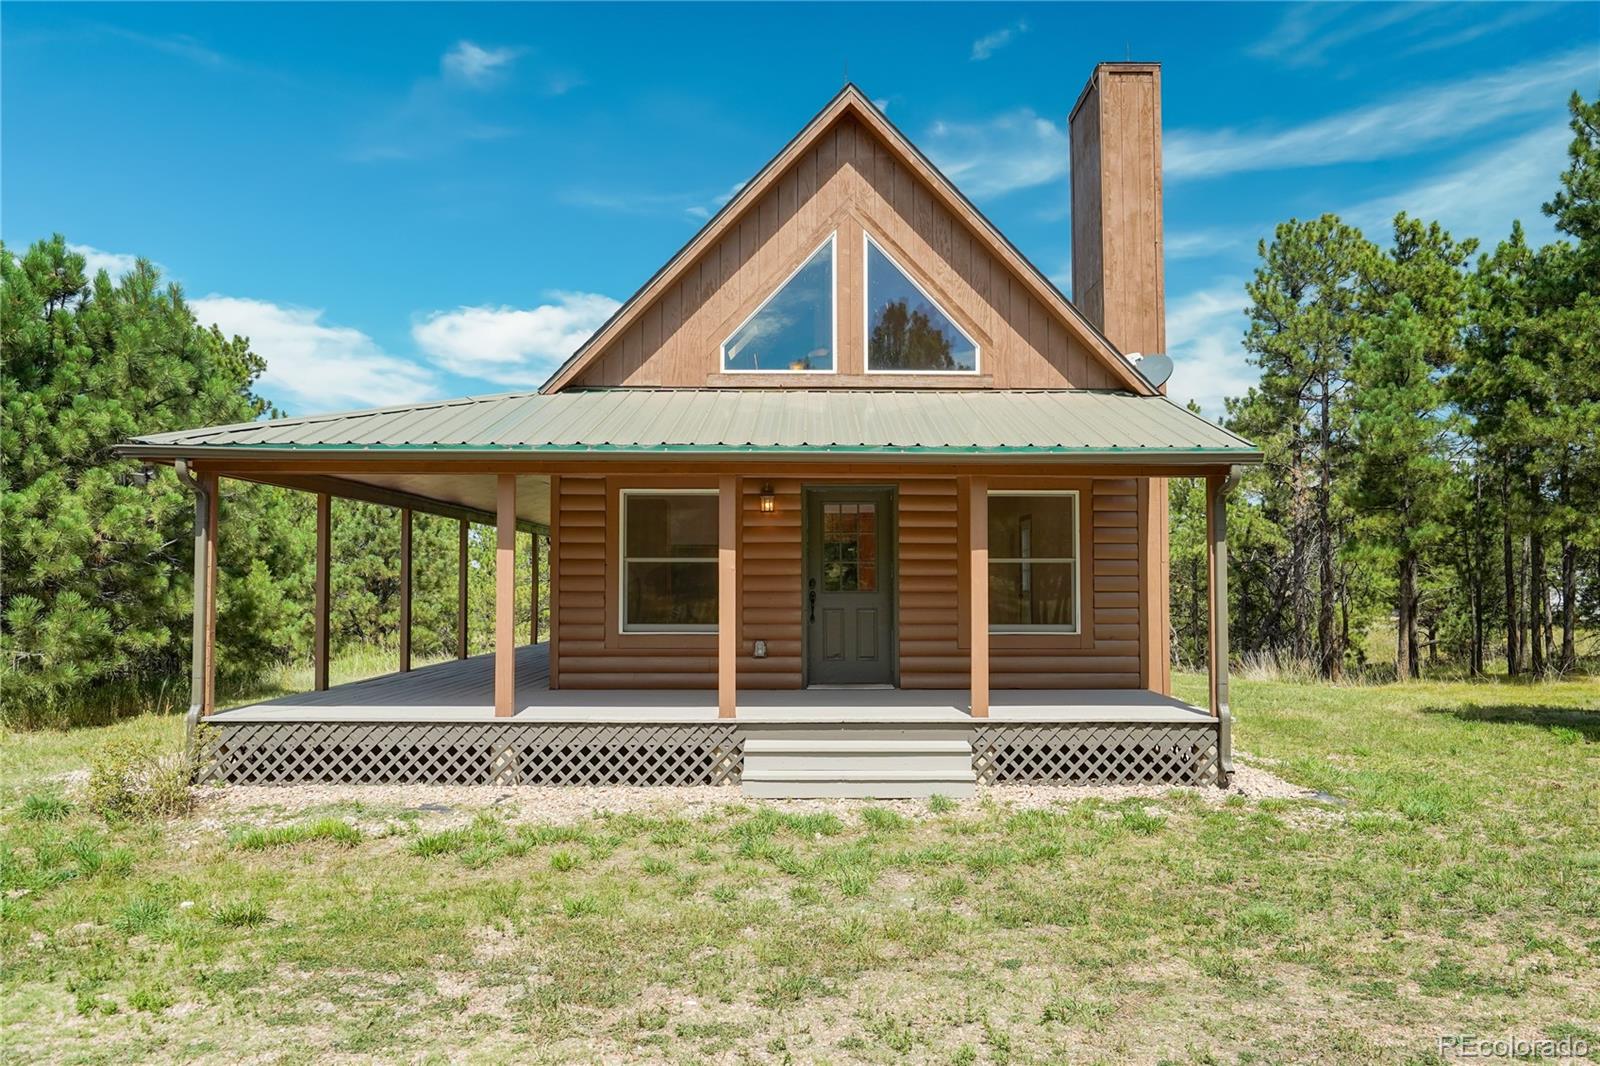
point(794, 329)
point(907, 331)
point(669, 560)
point(1033, 562)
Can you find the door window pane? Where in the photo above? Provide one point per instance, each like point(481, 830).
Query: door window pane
point(669, 561)
point(849, 547)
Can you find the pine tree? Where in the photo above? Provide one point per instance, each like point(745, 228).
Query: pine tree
point(95, 605)
point(1306, 304)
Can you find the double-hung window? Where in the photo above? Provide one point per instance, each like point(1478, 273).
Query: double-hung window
point(669, 560)
point(1033, 562)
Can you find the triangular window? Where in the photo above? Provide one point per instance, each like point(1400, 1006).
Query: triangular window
point(907, 331)
point(794, 329)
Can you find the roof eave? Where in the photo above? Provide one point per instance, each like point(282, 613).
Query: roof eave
point(1115, 456)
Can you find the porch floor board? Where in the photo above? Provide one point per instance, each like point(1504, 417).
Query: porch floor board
point(462, 690)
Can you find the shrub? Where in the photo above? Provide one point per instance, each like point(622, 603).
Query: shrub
point(132, 779)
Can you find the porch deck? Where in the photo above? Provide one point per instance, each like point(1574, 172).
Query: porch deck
point(437, 724)
point(462, 690)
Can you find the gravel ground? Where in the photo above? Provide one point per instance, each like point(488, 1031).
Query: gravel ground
point(447, 804)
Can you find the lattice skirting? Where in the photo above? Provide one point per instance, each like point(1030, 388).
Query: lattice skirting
point(471, 753)
point(666, 754)
point(1098, 753)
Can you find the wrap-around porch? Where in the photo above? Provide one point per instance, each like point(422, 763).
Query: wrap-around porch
point(462, 690)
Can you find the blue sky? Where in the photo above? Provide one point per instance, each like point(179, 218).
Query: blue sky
point(402, 202)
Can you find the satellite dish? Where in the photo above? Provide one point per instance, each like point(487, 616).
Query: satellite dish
point(1155, 369)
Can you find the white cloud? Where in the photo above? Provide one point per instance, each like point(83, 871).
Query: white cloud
point(509, 345)
point(1307, 32)
point(1204, 243)
point(96, 260)
point(1481, 197)
point(474, 65)
point(1204, 337)
point(314, 365)
point(1399, 126)
point(1012, 151)
point(990, 43)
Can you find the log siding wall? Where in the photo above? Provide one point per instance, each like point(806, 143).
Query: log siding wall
point(931, 596)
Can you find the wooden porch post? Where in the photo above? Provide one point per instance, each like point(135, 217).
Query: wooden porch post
point(461, 591)
point(505, 594)
point(533, 565)
point(978, 606)
point(553, 539)
point(1217, 558)
point(208, 608)
point(405, 590)
point(728, 508)
point(319, 644)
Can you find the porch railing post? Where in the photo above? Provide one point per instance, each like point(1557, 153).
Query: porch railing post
point(324, 545)
point(214, 501)
point(729, 506)
point(505, 597)
point(553, 541)
point(533, 600)
point(405, 590)
point(461, 590)
point(978, 592)
point(1217, 487)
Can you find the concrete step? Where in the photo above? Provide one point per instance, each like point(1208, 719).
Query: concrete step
point(880, 761)
point(819, 784)
point(861, 745)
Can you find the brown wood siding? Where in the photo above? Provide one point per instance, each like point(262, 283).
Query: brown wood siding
point(849, 181)
point(931, 592)
point(931, 651)
point(593, 653)
point(770, 568)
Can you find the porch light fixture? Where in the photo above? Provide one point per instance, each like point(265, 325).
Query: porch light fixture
point(769, 499)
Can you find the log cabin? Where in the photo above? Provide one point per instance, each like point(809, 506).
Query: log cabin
point(847, 499)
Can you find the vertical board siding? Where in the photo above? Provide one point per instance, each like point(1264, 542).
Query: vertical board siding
point(848, 181)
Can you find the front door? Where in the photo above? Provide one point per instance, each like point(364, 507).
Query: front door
point(849, 587)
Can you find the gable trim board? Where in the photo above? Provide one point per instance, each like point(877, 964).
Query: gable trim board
point(850, 101)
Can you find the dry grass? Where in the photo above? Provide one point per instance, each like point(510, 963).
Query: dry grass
point(1453, 885)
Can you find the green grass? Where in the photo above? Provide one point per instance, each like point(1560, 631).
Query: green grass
point(1450, 883)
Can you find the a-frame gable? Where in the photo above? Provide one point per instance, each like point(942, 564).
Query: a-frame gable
point(848, 173)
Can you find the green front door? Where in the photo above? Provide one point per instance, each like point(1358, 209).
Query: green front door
point(849, 587)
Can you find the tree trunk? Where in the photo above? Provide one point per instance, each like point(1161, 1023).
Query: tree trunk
point(1569, 578)
point(1475, 577)
point(1533, 558)
point(1569, 605)
point(1513, 623)
point(1405, 637)
point(1328, 642)
point(1538, 601)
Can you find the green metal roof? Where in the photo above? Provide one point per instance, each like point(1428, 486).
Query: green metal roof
point(742, 421)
